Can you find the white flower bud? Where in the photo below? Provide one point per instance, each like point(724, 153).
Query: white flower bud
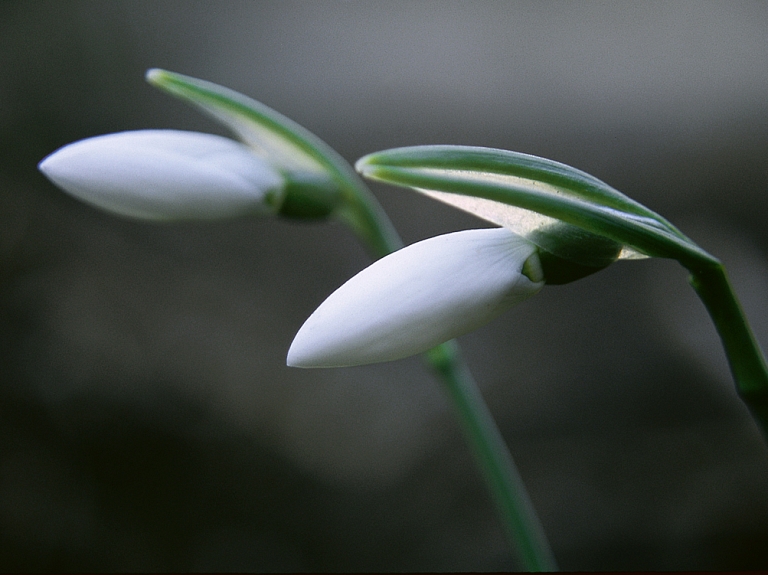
point(166, 174)
point(417, 298)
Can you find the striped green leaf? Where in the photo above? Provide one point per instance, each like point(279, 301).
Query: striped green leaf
point(525, 193)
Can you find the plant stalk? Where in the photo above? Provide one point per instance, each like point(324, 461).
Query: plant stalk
point(745, 357)
point(502, 478)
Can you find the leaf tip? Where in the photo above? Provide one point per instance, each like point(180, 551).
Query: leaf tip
point(154, 75)
point(361, 164)
point(366, 165)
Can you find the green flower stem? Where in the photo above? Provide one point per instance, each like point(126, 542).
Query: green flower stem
point(745, 357)
point(521, 524)
point(500, 473)
point(367, 219)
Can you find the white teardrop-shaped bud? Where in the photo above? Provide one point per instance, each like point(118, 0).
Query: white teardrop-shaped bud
point(419, 297)
point(166, 175)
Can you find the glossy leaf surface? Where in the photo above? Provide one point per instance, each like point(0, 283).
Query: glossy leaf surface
point(301, 156)
point(525, 193)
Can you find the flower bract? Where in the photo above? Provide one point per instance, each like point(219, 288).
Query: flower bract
point(166, 175)
point(419, 297)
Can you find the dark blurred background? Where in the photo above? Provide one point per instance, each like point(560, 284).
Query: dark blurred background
point(147, 419)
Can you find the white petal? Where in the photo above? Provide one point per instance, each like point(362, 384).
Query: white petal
point(166, 174)
point(416, 298)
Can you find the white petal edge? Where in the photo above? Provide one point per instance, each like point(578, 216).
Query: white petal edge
point(166, 174)
point(416, 298)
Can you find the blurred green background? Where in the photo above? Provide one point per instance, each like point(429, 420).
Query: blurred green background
point(147, 419)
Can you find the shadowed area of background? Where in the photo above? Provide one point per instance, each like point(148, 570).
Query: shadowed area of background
point(147, 419)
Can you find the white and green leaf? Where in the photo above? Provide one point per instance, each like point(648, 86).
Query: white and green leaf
point(301, 156)
point(524, 193)
point(285, 143)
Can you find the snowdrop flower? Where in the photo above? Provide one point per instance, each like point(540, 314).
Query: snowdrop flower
point(419, 297)
point(166, 175)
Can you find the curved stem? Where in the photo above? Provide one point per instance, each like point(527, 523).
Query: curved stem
point(745, 357)
point(518, 515)
point(368, 220)
point(370, 223)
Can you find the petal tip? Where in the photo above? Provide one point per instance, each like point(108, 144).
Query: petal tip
point(317, 348)
point(299, 356)
point(44, 165)
point(54, 167)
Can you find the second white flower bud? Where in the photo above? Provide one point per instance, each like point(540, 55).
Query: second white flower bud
point(166, 175)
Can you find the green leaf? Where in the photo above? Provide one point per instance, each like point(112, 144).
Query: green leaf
point(526, 193)
point(286, 144)
point(303, 158)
